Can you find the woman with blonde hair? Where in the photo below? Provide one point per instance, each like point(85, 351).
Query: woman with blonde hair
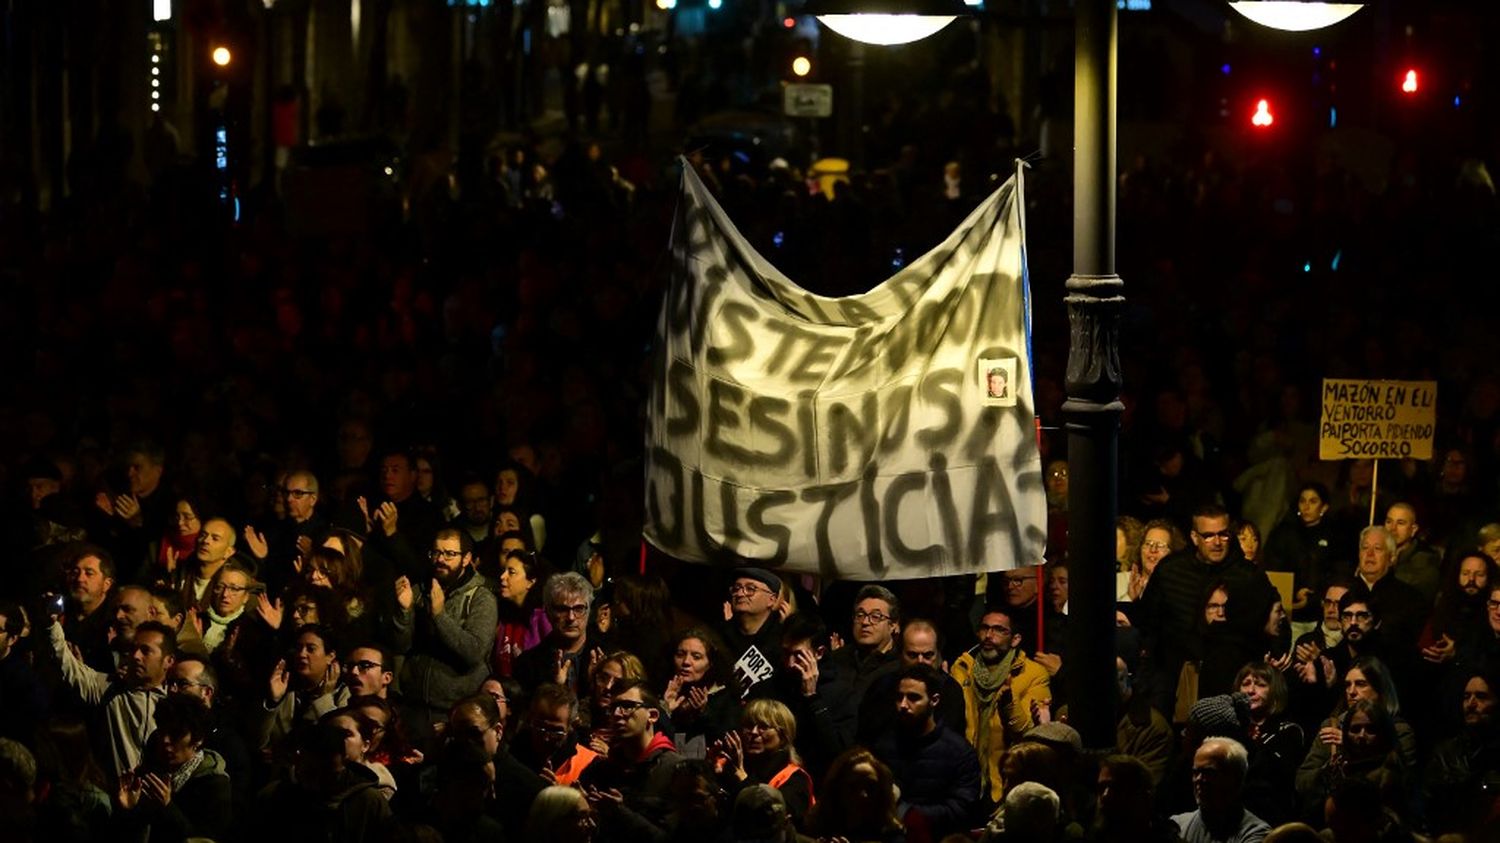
point(763, 751)
point(560, 815)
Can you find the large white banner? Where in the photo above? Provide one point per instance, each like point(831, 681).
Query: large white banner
point(888, 435)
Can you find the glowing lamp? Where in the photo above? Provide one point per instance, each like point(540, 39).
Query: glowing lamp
point(887, 22)
point(1294, 15)
point(1409, 82)
point(222, 56)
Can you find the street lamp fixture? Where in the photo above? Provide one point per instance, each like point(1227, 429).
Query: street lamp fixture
point(887, 22)
point(1294, 15)
point(221, 56)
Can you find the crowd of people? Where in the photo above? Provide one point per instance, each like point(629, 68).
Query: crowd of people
point(339, 538)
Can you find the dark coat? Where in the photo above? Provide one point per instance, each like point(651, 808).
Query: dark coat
point(938, 774)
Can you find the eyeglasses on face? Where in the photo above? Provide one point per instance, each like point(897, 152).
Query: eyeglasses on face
point(445, 554)
point(861, 616)
point(295, 494)
point(748, 588)
point(222, 588)
point(625, 706)
point(363, 665)
point(577, 609)
point(1155, 545)
point(997, 630)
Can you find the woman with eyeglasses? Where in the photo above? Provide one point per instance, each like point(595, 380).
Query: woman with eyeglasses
point(171, 555)
point(1160, 539)
point(699, 698)
point(1367, 680)
point(762, 751)
point(523, 622)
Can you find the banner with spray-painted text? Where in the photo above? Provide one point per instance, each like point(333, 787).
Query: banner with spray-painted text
point(888, 435)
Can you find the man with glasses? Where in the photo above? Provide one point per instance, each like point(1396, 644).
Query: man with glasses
point(369, 671)
point(1000, 687)
point(445, 630)
point(871, 652)
point(1020, 594)
point(1171, 608)
point(549, 745)
point(752, 635)
point(1360, 619)
point(562, 658)
point(629, 786)
point(275, 549)
point(193, 676)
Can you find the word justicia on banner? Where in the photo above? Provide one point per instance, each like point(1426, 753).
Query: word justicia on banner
point(888, 435)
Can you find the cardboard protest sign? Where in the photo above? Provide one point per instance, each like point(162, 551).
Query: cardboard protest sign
point(886, 435)
point(1377, 419)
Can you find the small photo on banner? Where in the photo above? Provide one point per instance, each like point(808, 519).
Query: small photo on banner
point(997, 377)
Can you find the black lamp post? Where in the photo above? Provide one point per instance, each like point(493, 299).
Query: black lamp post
point(1095, 295)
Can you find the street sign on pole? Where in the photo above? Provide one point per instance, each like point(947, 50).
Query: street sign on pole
point(807, 100)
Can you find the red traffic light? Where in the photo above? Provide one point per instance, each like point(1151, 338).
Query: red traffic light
point(1262, 118)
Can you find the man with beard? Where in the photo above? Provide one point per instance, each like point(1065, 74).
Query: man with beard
point(128, 697)
point(89, 577)
point(1000, 686)
point(920, 644)
point(935, 768)
point(446, 631)
point(1460, 785)
point(1360, 618)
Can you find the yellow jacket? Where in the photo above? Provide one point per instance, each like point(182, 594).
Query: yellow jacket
point(1010, 719)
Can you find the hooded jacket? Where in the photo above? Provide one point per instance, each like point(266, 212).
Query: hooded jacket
point(447, 656)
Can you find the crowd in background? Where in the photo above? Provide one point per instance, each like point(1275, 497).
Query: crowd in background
point(339, 538)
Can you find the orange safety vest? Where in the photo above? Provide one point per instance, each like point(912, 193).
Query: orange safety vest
point(786, 773)
point(571, 769)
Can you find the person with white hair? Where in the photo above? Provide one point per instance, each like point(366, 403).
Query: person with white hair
point(1219, 768)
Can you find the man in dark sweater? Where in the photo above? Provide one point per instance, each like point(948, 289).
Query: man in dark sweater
point(1171, 609)
point(753, 631)
point(934, 766)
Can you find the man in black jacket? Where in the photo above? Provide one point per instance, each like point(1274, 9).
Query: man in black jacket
point(920, 644)
point(1171, 612)
point(934, 766)
point(816, 692)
